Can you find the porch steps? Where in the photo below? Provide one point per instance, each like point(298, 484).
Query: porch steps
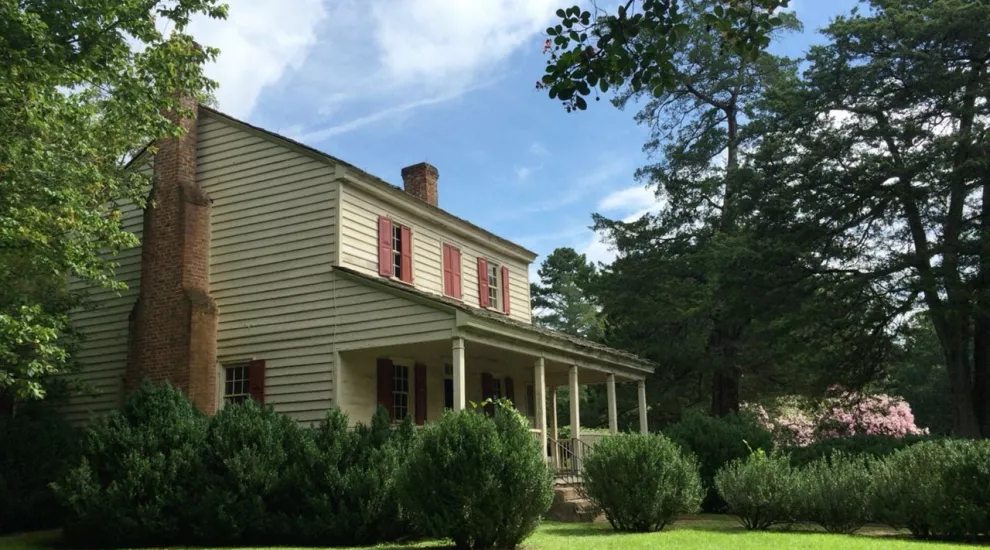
point(569, 506)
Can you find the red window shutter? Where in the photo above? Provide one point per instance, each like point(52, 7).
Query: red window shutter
point(407, 258)
point(384, 246)
point(420, 398)
point(487, 391)
point(482, 282)
point(448, 270)
point(385, 386)
point(455, 256)
point(256, 380)
point(510, 390)
point(505, 290)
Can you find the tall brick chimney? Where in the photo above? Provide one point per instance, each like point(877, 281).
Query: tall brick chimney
point(420, 181)
point(173, 326)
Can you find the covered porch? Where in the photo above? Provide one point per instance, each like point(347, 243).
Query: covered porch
point(421, 379)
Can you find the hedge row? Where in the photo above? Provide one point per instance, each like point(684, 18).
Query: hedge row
point(936, 489)
point(159, 473)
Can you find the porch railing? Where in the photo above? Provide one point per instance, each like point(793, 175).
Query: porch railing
point(565, 457)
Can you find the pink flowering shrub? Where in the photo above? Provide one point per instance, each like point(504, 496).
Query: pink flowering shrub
point(846, 413)
point(843, 413)
point(790, 425)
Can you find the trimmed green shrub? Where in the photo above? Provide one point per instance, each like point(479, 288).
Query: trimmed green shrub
point(936, 489)
point(38, 448)
point(760, 489)
point(139, 471)
point(867, 446)
point(479, 481)
point(353, 497)
point(250, 460)
point(641, 482)
point(159, 473)
point(835, 492)
point(716, 442)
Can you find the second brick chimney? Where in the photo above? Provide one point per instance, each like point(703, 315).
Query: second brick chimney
point(173, 326)
point(420, 181)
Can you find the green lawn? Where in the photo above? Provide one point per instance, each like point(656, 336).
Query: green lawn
point(699, 533)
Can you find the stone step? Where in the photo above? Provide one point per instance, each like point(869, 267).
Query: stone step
point(570, 506)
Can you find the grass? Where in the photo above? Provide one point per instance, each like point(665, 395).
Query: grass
point(696, 533)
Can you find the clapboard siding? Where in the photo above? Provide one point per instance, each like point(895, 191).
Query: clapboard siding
point(273, 223)
point(359, 250)
point(104, 328)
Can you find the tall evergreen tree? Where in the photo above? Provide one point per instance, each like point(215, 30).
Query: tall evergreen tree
point(885, 149)
point(562, 300)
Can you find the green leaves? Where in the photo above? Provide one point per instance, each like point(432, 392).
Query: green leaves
point(589, 48)
point(77, 100)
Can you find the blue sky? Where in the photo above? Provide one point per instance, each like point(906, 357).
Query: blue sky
point(384, 84)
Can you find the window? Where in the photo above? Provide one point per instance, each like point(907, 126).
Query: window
point(236, 388)
point(397, 251)
point(496, 388)
point(494, 297)
point(531, 400)
point(394, 250)
point(400, 392)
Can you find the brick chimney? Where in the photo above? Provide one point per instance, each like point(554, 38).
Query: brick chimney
point(420, 181)
point(173, 326)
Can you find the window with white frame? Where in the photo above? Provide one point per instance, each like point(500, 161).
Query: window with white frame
point(397, 251)
point(494, 288)
point(400, 392)
point(235, 387)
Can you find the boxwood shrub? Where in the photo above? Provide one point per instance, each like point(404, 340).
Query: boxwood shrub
point(159, 473)
point(835, 492)
point(936, 489)
point(481, 482)
point(762, 490)
point(140, 473)
point(641, 482)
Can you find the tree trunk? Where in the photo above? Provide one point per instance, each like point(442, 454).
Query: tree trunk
point(727, 376)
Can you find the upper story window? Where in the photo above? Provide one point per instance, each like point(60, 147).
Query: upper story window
point(451, 271)
point(493, 285)
point(395, 259)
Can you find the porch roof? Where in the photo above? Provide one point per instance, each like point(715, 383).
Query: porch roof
point(503, 328)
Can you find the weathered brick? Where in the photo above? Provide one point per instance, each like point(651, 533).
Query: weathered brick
point(173, 326)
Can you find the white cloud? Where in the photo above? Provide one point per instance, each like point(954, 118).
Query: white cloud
point(632, 203)
point(258, 42)
point(630, 198)
point(377, 59)
point(523, 172)
point(598, 248)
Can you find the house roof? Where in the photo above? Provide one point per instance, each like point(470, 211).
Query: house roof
point(443, 301)
point(375, 180)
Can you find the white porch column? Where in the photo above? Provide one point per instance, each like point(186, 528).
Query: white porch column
point(540, 396)
point(575, 415)
point(458, 366)
point(554, 454)
point(613, 413)
point(643, 427)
